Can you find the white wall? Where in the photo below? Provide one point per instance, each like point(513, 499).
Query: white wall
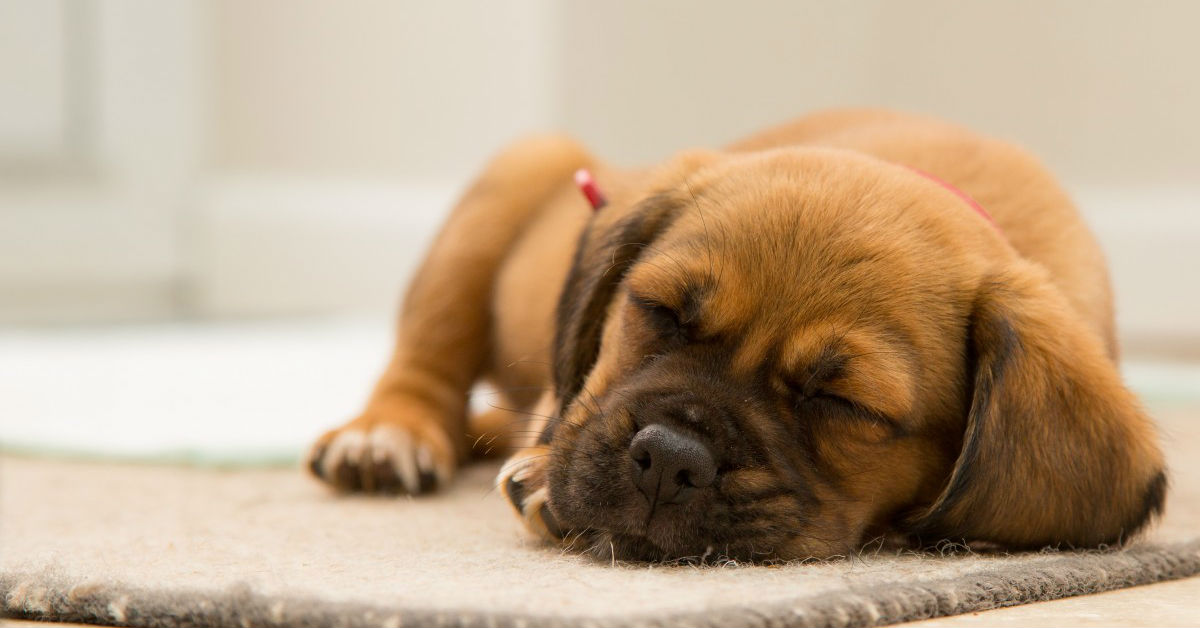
point(92, 193)
point(294, 157)
point(1104, 91)
point(376, 88)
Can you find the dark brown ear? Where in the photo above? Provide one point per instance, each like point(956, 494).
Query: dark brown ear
point(604, 254)
point(1056, 451)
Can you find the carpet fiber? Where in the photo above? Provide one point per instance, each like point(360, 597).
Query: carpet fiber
point(152, 545)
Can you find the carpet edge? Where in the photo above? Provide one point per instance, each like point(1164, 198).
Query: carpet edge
point(49, 596)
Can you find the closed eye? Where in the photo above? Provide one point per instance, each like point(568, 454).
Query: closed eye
point(835, 406)
point(665, 320)
point(820, 397)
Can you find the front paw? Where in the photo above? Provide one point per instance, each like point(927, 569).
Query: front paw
point(523, 482)
point(374, 454)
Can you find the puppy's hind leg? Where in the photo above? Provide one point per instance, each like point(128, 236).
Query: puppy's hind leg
point(412, 434)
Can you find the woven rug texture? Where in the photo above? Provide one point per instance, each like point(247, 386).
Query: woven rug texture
point(155, 545)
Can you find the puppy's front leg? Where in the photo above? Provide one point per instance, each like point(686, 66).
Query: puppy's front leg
point(412, 434)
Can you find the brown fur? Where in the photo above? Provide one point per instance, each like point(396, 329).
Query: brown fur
point(861, 350)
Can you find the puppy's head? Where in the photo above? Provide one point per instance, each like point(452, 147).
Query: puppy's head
point(782, 355)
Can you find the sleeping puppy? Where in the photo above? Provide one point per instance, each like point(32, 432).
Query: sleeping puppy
point(856, 324)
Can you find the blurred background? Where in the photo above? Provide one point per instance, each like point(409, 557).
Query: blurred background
point(208, 209)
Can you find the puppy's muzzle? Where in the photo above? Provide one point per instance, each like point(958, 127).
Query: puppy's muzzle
point(669, 466)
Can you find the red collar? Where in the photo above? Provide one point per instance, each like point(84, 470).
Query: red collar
point(960, 194)
point(587, 185)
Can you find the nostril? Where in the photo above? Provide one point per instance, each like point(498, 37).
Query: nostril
point(639, 451)
point(684, 478)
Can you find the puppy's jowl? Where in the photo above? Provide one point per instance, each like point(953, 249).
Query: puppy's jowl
point(855, 324)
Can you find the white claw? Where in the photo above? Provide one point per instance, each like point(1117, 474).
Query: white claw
point(428, 464)
point(425, 459)
point(532, 505)
point(347, 446)
point(518, 468)
point(396, 444)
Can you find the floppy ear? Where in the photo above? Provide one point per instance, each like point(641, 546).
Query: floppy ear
point(604, 254)
point(1056, 450)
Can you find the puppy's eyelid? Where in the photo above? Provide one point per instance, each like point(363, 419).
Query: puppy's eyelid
point(662, 311)
point(650, 304)
point(804, 389)
point(859, 411)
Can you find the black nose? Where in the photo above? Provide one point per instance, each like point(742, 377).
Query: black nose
point(670, 466)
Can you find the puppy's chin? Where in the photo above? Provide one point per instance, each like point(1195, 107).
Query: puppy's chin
point(609, 545)
point(656, 542)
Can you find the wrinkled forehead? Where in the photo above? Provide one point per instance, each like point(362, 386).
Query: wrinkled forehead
point(783, 264)
point(782, 290)
point(762, 327)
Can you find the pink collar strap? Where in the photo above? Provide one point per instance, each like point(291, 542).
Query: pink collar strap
point(587, 186)
point(960, 194)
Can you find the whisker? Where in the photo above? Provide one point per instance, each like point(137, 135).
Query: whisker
point(523, 412)
point(703, 221)
point(505, 389)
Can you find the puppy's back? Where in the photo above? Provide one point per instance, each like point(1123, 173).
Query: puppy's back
point(1037, 217)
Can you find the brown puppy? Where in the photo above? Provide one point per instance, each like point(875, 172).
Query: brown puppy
point(778, 350)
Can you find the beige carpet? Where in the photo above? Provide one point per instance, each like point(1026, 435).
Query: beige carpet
point(168, 546)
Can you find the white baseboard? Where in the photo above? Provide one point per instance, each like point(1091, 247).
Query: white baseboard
point(1151, 237)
